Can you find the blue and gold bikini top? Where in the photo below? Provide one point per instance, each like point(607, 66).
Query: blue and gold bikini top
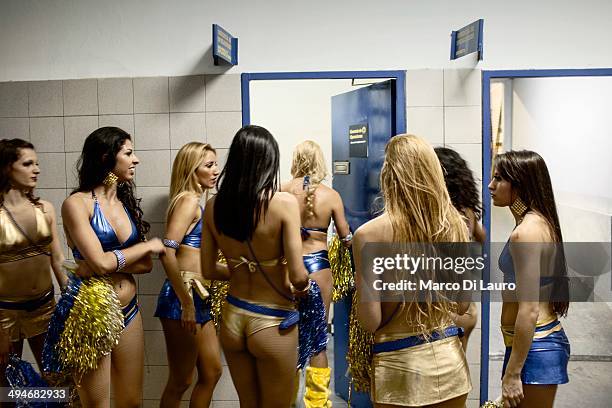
point(194, 238)
point(15, 245)
point(105, 232)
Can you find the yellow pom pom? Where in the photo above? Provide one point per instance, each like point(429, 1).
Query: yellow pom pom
point(342, 269)
point(359, 354)
point(93, 326)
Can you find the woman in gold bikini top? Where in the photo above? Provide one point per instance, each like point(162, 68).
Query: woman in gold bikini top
point(29, 249)
point(257, 229)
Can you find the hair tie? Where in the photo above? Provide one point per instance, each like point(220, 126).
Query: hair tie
point(306, 183)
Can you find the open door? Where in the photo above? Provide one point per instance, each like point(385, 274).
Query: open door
point(362, 122)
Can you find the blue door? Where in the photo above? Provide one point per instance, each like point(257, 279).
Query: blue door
point(362, 122)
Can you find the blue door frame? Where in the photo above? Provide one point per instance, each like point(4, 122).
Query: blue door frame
point(399, 76)
point(486, 178)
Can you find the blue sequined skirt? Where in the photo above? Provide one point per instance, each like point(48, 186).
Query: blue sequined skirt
point(169, 305)
point(316, 261)
point(548, 356)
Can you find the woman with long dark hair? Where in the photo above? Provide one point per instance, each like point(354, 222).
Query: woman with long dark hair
point(257, 229)
point(537, 349)
point(417, 359)
point(29, 249)
point(183, 305)
point(463, 193)
point(308, 172)
point(106, 232)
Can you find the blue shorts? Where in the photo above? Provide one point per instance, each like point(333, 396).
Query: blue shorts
point(546, 362)
point(316, 261)
point(169, 305)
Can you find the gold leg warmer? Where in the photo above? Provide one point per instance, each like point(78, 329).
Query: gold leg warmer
point(317, 387)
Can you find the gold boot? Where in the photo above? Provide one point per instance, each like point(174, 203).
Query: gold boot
point(317, 388)
point(296, 388)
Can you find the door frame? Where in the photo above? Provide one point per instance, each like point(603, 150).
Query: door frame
point(487, 76)
point(400, 88)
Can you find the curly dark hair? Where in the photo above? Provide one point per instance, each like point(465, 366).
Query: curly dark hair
point(9, 154)
point(97, 159)
point(459, 181)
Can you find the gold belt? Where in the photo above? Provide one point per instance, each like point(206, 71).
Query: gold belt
point(508, 331)
point(195, 281)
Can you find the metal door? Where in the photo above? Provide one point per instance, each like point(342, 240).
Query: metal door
point(362, 122)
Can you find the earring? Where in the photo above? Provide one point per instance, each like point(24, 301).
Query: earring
point(519, 207)
point(110, 179)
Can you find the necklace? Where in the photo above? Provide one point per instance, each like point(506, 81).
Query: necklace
point(16, 224)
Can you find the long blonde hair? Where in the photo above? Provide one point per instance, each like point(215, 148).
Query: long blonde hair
point(184, 180)
point(420, 211)
point(308, 162)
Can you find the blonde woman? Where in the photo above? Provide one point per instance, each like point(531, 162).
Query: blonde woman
point(183, 307)
point(418, 359)
point(319, 204)
point(29, 249)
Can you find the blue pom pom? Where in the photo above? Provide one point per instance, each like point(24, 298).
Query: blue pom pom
point(312, 326)
point(50, 357)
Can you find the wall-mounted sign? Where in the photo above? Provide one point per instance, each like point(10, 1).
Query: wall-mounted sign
point(467, 40)
point(358, 140)
point(225, 47)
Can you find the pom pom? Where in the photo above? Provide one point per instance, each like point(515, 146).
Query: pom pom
point(86, 325)
point(93, 326)
point(498, 403)
point(359, 356)
point(50, 356)
point(312, 326)
point(218, 293)
point(342, 269)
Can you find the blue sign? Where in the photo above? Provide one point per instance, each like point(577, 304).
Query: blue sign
point(467, 40)
point(225, 47)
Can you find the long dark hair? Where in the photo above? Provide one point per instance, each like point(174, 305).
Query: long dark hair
point(98, 158)
point(459, 180)
point(528, 175)
point(247, 182)
point(9, 154)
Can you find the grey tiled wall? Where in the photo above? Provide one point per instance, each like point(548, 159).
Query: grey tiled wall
point(161, 114)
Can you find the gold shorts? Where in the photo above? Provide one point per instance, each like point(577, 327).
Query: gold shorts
point(425, 374)
point(244, 323)
point(24, 324)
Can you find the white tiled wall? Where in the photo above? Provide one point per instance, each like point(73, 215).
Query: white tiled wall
point(161, 114)
point(444, 107)
point(164, 113)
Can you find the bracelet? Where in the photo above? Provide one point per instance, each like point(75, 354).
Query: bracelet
point(120, 260)
point(170, 243)
point(348, 238)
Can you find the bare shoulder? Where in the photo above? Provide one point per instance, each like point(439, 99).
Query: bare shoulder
point(187, 204)
point(323, 189)
point(74, 202)
point(283, 198)
point(47, 207)
point(285, 187)
point(372, 230)
point(533, 229)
